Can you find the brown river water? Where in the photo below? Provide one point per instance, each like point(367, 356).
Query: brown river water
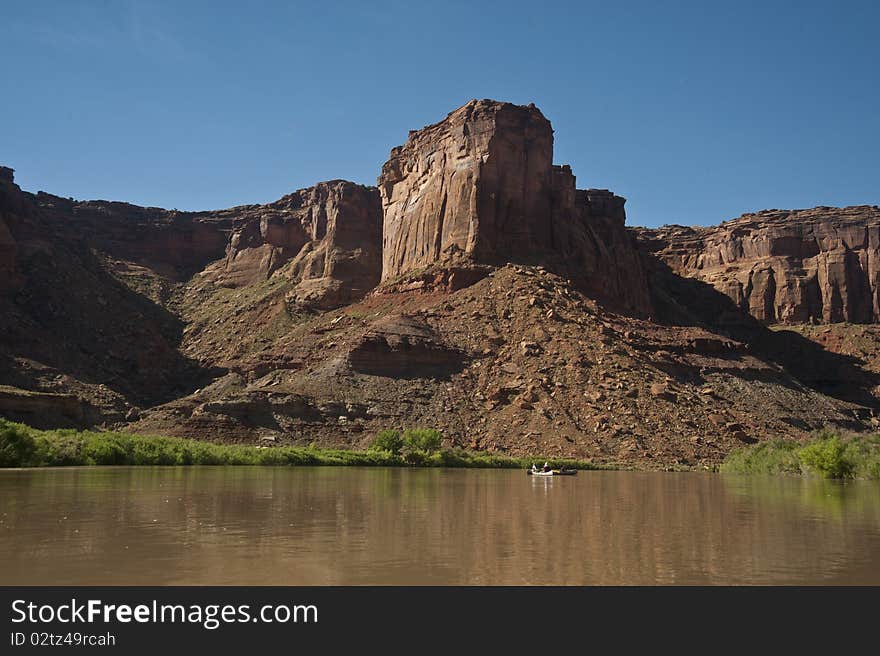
point(352, 526)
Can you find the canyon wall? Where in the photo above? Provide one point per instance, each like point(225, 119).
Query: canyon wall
point(67, 322)
point(188, 323)
point(327, 239)
point(11, 206)
point(480, 187)
point(820, 265)
point(174, 244)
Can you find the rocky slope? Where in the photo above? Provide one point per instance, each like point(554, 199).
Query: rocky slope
point(475, 290)
point(802, 266)
point(520, 362)
point(69, 326)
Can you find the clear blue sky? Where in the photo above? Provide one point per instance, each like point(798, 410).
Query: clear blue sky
point(695, 111)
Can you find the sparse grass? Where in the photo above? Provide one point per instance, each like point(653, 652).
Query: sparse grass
point(22, 446)
point(827, 455)
point(214, 310)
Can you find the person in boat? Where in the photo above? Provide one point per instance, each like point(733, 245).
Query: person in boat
point(534, 468)
point(546, 467)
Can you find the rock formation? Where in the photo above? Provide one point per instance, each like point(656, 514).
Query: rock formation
point(10, 205)
point(477, 291)
point(801, 266)
point(68, 323)
point(404, 347)
point(43, 409)
point(480, 187)
point(327, 238)
point(173, 244)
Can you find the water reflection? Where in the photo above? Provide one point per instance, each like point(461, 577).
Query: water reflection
point(397, 526)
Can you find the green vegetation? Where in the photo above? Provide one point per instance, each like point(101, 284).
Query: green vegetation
point(419, 446)
point(387, 440)
point(426, 440)
point(16, 445)
point(22, 446)
point(828, 455)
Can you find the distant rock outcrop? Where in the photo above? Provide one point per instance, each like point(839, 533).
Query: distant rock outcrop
point(480, 187)
point(820, 265)
point(174, 244)
point(328, 239)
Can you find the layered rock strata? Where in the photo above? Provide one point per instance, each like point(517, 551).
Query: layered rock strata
point(327, 238)
point(480, 187)
point(171, 243)
point(820, 265)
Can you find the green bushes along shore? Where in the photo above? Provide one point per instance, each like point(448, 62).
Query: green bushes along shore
point(22, 446)
point(827, 455)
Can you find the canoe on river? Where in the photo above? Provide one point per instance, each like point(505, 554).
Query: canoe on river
point(552, 472)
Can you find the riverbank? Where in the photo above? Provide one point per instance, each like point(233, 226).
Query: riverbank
point(23, 446)
point(827, 455)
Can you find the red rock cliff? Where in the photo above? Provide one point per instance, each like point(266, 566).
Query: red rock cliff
point(10, 207)
point(480, 187)
point(820, 265)
point(327, 239)
point(172, 243)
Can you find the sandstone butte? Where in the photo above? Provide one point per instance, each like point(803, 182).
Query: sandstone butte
point(475, 290)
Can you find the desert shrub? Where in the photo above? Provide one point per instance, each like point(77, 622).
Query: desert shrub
point(416, 458)
point(452, 458)
point(424, 440)
point(827, 456)
point(17, 445)
point(387, 440)
point(60, 449)
point(105, 449)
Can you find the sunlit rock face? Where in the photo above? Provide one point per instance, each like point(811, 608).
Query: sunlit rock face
point(820, 265)
point(480, 187)
point(326, 238)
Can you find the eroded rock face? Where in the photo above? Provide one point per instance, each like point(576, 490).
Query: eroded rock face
point(820, 265)
point(174, 244)
point(475, 184)
point(43, 410)
point(62, 309)
point(10, 277)
point(404, 347)
point(327, 238)
point(480, 187)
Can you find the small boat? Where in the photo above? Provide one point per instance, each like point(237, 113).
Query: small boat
point(552, 472)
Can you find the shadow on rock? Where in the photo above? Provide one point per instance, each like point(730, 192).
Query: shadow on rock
point(690, 302)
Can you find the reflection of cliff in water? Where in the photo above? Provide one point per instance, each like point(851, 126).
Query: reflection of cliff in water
point(398, 526)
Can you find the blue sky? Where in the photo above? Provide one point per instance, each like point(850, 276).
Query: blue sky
point(695, 111)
